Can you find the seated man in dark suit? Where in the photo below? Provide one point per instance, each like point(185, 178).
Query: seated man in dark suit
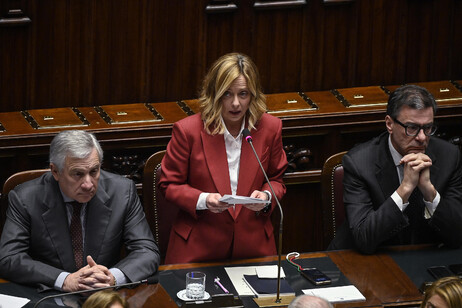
point(404, 186)
point(65, 229)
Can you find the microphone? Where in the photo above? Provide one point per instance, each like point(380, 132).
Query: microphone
point(150, 280)
point(248, 138)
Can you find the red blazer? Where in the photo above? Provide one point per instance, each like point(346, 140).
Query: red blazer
point(196, 162)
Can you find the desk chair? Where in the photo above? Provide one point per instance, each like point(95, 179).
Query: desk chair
point(21, 177)
point(159, 213)
point(333, 210)
point(11, 183)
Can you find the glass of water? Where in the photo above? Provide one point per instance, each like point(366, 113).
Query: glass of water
point(195, 285)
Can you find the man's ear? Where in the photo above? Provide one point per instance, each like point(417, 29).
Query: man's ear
point(54, 172)
point(389, 123)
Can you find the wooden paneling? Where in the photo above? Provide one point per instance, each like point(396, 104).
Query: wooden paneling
point(87, 53)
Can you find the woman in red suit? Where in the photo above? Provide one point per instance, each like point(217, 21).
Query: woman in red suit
point(208, 158)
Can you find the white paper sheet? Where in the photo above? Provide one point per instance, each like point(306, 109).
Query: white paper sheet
point(230, 199)
point(269, 271)
point(337, 294)
point(8, 301)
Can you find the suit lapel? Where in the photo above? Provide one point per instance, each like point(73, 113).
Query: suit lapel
point(98, 216)
point(217, 162)
point(386, 169)
point(386, 174)
point(434, 169)
point(55, 219)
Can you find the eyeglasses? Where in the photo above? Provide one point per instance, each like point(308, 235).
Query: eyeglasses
point(413, 130)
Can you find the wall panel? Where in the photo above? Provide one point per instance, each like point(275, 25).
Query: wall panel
point(85, 53)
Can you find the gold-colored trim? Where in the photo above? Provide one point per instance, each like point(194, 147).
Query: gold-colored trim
point(291, 110)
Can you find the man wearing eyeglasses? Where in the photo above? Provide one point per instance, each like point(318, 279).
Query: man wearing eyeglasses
point(404, 186)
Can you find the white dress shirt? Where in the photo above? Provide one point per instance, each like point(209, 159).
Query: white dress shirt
point(233, 154)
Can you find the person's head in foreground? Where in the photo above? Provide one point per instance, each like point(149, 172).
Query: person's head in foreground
point(105, 299)
point(308, 301)
point(444, 293)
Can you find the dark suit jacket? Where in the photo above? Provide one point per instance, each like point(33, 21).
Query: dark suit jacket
point(374, 219)
point(196, 162)
point(35, 246)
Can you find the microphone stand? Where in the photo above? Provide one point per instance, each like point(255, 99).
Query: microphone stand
point(262, 302)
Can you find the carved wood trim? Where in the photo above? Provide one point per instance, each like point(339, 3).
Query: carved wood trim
point(220, 6)
point(281, 4)
point(14, 17)
point(337, 1)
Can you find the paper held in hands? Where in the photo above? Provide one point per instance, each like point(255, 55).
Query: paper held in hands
point(242, 200)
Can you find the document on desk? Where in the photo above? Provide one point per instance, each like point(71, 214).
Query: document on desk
point(337, 294)
point(230, 199)
point(12, 301)
point(236, 275)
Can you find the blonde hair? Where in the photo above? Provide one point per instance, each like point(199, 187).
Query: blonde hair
point(448, 288)
point(104, 299)
point(218, 80)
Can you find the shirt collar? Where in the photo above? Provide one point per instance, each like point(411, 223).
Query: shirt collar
point(394, 154)
point(67, 199)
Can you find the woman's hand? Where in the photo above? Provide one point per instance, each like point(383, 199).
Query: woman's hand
point(257, 206)
point(214, 205)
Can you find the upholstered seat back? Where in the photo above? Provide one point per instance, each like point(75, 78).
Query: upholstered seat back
point(332, 196)
point(337, 196)
point(10, 183)
point(159, 213)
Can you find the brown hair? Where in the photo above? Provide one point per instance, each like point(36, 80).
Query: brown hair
point(448, 288)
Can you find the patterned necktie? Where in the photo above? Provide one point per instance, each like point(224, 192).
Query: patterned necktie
point(76, 234)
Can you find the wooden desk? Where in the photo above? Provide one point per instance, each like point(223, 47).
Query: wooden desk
point(378, 277)
point(148, 296)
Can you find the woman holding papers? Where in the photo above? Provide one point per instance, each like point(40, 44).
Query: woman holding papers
point(208, 158)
